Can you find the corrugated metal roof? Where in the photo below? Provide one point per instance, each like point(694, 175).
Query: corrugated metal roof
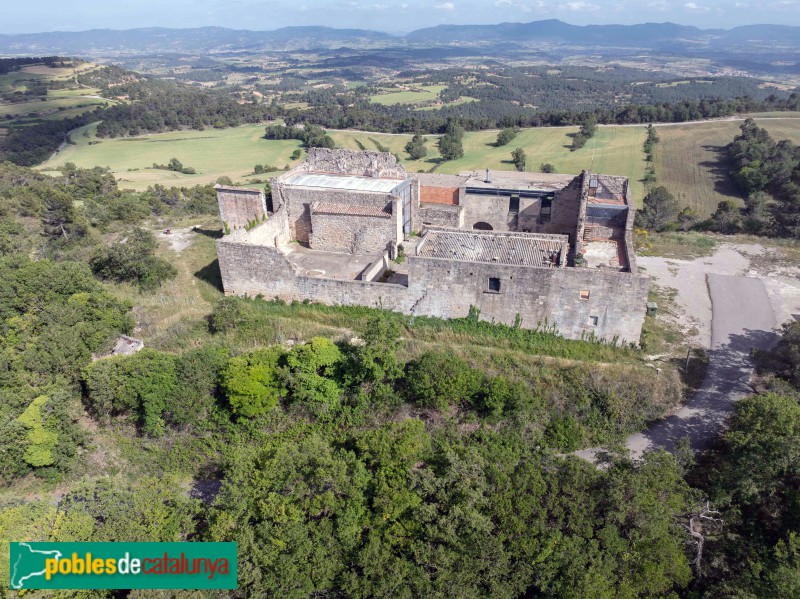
point(498, 248)
point(348, 182)
point(349, 210)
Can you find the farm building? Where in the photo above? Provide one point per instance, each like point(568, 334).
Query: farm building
point(354, 228)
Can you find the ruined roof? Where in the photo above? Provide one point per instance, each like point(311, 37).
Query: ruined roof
point(440, 180)
point(607, 189)
point(347, 182)
point(348, 210)
point(493, 247)
point(517, 180)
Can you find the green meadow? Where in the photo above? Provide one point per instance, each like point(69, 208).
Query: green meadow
point(234, 152)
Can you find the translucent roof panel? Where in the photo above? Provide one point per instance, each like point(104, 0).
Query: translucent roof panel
point(349, 182)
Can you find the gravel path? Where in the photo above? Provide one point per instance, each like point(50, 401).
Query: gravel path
point(742, 319)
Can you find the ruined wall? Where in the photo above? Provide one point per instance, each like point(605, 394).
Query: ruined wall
point(251, 270)
point(438, 195)
point(298, 201)
point(488, 209)
point(441, 215)
point(351, 234)
point(239, 206)
point(447, 288)
point(352, 162)
point(273, 232)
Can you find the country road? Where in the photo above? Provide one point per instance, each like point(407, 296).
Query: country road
point(742, 319)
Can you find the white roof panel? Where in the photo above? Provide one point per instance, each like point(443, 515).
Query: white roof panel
point(349, 182)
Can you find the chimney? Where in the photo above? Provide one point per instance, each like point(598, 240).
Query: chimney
point(488, 178)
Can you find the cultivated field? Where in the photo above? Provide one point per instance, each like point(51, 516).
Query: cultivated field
point(234, 152)
point(691, 160)
point(415, 96)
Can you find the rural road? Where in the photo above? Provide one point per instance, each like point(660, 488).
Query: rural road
point(742, 319)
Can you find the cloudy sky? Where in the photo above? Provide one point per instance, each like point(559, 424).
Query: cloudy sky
point(394, 16)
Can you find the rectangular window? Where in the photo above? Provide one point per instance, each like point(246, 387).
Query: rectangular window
point(593, 320)
point(513, 204)
point(494, 285)
point(584, 294)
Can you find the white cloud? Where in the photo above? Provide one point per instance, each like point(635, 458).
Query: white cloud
point(503, 3)
point(579, 6)
point(449, 6)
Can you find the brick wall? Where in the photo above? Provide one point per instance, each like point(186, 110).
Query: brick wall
point(438, 195)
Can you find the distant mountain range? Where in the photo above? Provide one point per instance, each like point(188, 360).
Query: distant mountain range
point(649, 36)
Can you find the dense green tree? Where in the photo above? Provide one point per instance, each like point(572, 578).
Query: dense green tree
point(660, 209)
point(439, 380)
point(450, 144)
point(416, 147)
point(134, 260)
point(506, 136)
point(251, 382)
point(727, 218)
point(519, 158)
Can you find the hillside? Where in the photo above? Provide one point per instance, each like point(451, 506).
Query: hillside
point(653, 36)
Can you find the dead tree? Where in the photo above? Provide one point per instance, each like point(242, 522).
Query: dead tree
point(701, 524)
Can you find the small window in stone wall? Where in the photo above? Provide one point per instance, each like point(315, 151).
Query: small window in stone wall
point(584, 294)
point(593, 320)
point(494, 285)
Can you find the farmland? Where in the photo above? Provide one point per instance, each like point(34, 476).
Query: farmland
point(233, 152)
point(415, 95)
point(56, 103)
point(691, 162)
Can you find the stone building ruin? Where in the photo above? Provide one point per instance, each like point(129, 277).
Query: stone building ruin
point(525, 248)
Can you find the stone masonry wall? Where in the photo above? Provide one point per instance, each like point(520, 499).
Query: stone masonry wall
point(351, 234)
point(348, 162)
point(298, 201)
point(239, 206)
point(441, 215)
point(447, 288)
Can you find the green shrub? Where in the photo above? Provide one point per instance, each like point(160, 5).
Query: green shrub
point(438, 380)
point(251, 382)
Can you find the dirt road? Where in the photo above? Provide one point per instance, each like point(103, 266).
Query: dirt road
point(742, 319)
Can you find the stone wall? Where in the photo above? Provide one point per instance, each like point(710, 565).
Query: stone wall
point(351, 162)
point(447, 288)
point(441, 215)
point(615, 306)
point(298, 201)
point(488, 209)
point(239, 206)
point(353, 234)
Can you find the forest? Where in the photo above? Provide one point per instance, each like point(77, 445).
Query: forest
point(149, 105)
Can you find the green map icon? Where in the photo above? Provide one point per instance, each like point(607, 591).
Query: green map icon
point(27, 563)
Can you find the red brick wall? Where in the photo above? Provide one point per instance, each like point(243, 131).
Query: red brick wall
point(438, 195)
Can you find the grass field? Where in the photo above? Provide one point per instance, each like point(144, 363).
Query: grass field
point(425, 94)
point(233, 153)
point(691, 160)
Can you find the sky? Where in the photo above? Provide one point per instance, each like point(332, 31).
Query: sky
point(394, 16)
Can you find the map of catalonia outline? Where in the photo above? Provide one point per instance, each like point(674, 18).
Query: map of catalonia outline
point(16, 581)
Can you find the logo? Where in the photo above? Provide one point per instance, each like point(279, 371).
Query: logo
point(123, 566)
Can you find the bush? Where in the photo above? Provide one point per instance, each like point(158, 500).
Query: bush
point(142, 384)
point(438, 380)
point(133, 260)
point(251, 382)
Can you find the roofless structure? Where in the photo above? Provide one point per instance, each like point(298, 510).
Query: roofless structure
point(523, 248)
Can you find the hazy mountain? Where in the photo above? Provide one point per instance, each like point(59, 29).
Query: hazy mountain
point(200, 39)
point(205, 39)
